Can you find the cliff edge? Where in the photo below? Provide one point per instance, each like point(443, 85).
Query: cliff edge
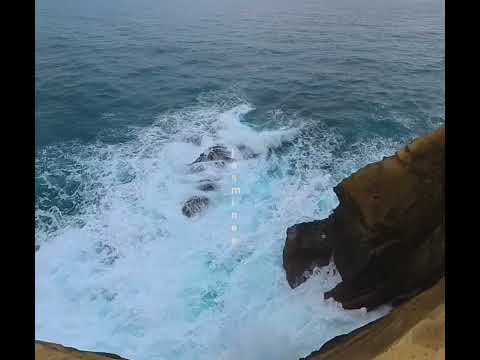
point(387, 240)
point(387, 234)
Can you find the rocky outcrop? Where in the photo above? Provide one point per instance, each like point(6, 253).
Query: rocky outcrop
point(50, 351)
point(217, 154)
point(195, 205)
point(214, 153)
point(414, 330)
point(387, 234)
point(305, 248)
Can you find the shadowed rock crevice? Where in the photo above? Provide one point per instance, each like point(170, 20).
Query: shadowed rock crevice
point(387, 233)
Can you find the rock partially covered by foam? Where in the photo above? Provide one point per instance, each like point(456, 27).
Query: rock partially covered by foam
point(217, 156)
point(214, 153)
point(247, 152)
point(50, 351)
point(305, 248)
point(387, 234)
point(195, 205)
point(207, 185)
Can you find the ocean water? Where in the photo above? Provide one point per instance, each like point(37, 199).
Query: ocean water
point(130, 92)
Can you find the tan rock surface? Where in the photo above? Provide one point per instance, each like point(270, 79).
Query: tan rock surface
point(50, 351)
point(426, 340)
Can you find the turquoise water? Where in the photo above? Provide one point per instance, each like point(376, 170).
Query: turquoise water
point(128, 93)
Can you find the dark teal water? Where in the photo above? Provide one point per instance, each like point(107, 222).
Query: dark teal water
point(362, 66)
point(317, 88)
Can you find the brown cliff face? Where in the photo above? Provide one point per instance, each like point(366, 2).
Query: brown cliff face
point(50, 351)
point(386, 235)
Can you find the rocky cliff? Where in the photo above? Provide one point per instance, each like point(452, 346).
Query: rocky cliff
point(387, 234)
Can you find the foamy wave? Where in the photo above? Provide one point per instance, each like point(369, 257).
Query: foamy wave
point(120, 269)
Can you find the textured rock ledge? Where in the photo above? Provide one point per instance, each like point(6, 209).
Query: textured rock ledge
point(50, 351)
point(414, 330)
point(387, 234)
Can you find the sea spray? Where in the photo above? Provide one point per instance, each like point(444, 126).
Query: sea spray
point(121, 269)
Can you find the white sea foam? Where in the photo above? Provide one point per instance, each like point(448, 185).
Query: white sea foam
point(126, 272)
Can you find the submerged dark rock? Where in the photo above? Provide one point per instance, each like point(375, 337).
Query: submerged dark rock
point(386, 235)
point(196, 168)
point(108, 253)
point(207, 185)
point(195, 205)
point(194, 139)
point(247, 153)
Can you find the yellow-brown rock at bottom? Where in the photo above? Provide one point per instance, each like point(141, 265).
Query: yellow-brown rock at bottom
point(50, 351)
point(426, 340)
point(415, 330)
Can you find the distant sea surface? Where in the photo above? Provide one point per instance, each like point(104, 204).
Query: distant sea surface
point(129, 92)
